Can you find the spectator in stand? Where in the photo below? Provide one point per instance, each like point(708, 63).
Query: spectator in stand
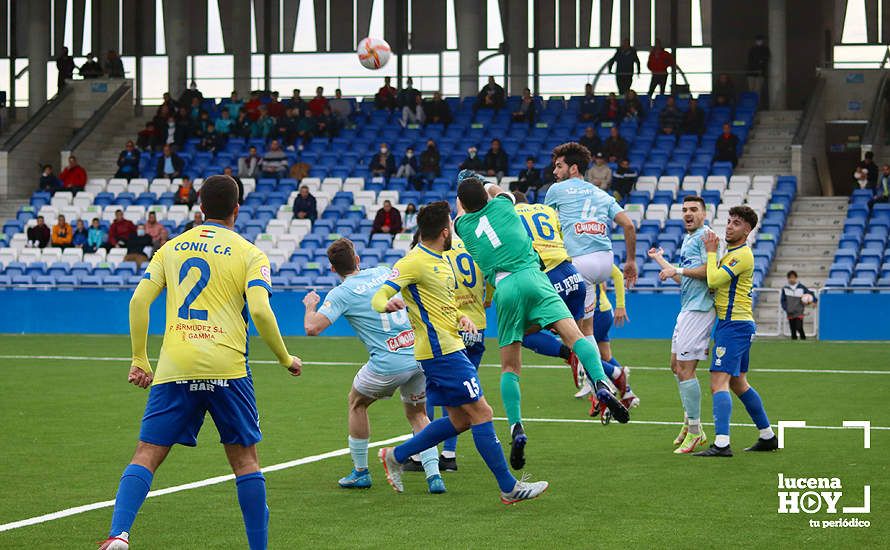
point(670, 117)
point(233, 105)
point(120, 231)
point(65, 67)
point(631, 114)
point(275, 108)
point(227, 171)
point(415, 113)
point(410, 225)
point(62, 233)
point(296, 101)
point(91, 68)
point(212, 140)
point(793, 304)
point(624, 60)
point(407, 96)
point(168, 105)
point(758, 64)
point(530, 178)
point(249, 166)
point(724, 90)
point(870, 169)
point(306, 128)
point(274, 163)
point(170, 164)
point(340, 107)
point(48, 180)
point(860, 176)
point(612, 110)
point(631, 99)
point(385, 98)
point(199, 125)
point(472, 162)
point(139, 247)
point(114, 67)
point(38, 235)
point(599, 173)
point(496, 160)
point(526, 111)
point(305, 205)
point(241, 126)
point(224, 122)
point(882, 189)
point(74, 177)
point(437, 110)
point(694, 119)
point(382, 163)
point(177, 130)
point(589, 109)
point(430, 161)
point(659, 62)
point(726, 148)
point(252, 106)
point(387, 220)
point(408, 166)
point(191, 94)
point(80, 235)
point(262, 126)
point(623, 180)
point(615, 146)
point(156, 231)
point(491, 96)
point(196, 221)
point(186, 193)
point(148, 139)
point(318, 103)
point(96, 237)
point(591, 140)
point(327, 125)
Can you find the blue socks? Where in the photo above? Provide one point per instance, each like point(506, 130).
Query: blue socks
point(690, 395)
point(436, 432)
point(754, 406)
point(608, 368)
point(543, 343)
point(134, 486)
point(722, 413)
point(252, 498)
point(450, 443)
point(490, 448)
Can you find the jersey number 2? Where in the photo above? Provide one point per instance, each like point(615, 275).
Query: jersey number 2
point(485, 227)
point(185, 311)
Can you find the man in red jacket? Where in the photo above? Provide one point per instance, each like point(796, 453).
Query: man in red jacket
point(121, 231)
point(659, 62)
point(74, 177)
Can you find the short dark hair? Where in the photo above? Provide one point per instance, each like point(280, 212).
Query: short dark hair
point(695, 198)
point(432, 219)
point(745, 213)
point(341, 254)
point(790, 273)
point(219, 197)
point(472, 194)
point(573, 153)
point(519, 197)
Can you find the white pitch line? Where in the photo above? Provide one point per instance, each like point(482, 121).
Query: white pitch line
point(356, 364)
point(665, 423)
point(188, 486)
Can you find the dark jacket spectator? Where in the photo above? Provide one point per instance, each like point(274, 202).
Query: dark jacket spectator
point(387, 220)
point(80, 235)
point(589, 109)
point(186, 193)
point(383, 163)
point(74, 177)
point(526, 111)
point(430, 160)
point(530, 178)
point(408, 166)
point(91, 68)
point(48, 180)
point(192, 93)
point(128, 162)
point(407, 96)
point(170, 164)
point(385, 98)
point(615, 146)
point(114, 67)
point(758, 64)
point(212, 140)
point(724, 90)
point(623, 180)
point(120, 231)
point(296, 101)
point(340, 107)
point(472, 162)
point(65, 67)
point(727, 147)
point(39, 235)
point(196, 221)
point(248, 166)
point(491, 96)
point(612, 111)
point(623, 62)
point(437, 110)
point(631, 99)
point(870, 168)
point(694, 119)
point(496, 160)
point(305, 205)
point(792, 302)
point(148, 139)
point(413, 114)
point(670, 117)
point(591, 140)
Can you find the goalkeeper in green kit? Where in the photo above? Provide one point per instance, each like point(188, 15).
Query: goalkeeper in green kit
point(524, 297)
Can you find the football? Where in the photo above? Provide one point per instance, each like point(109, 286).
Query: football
point(373, 53)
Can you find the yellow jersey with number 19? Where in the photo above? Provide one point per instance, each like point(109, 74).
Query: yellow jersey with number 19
point(542, 225)
point(471, 290)
point(206, 271)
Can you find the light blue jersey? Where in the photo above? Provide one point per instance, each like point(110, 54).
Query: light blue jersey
point(387, 336)
point(694, 293)
point(585, 214)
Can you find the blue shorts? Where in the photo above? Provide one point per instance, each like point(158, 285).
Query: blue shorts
point(602, 324)
point(569, 284)
point(175, 412)
point(732, 343)
point(475, 346)
point(451, 380)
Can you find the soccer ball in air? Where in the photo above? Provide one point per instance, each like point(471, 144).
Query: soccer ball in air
point(373, 53)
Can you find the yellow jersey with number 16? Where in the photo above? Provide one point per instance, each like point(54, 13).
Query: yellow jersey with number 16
point(206, 271)
point(542, 225)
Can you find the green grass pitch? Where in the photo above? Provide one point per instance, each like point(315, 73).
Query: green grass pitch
point(70, 425)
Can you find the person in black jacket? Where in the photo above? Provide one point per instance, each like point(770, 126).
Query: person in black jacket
point(305, 206)
point(472, 162)
point(437, 110)
point(383, 164)
point(128, 162)
point(624, 60)
point(496, 160)
point(592, 141)
point(694, 119)
point(726, 148)
point(758, 64)
point(91, 68)
point(114, 67)
point(170, 164)
point(530, 178)
point(65, 66)
point(408, 166)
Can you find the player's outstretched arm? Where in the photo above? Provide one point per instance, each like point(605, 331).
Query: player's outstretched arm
point(620, 308)
point(140, 369)
point(384, 301)
point(266, 324)
point(314, 322)
point(630, 244)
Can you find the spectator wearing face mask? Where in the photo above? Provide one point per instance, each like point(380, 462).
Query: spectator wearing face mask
point(472, 162)
point(430, 160)
point(382, 163)
point(408, 167)
point(139, 247)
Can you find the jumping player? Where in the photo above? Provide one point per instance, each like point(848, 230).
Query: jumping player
point(390, 343)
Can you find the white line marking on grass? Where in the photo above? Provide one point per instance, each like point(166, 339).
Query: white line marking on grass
point(358, 364)
point(665, 423)
point(188, 486)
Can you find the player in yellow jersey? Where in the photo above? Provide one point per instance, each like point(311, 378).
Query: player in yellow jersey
point(732, 279)
point(213, 277)
point(427, 283)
